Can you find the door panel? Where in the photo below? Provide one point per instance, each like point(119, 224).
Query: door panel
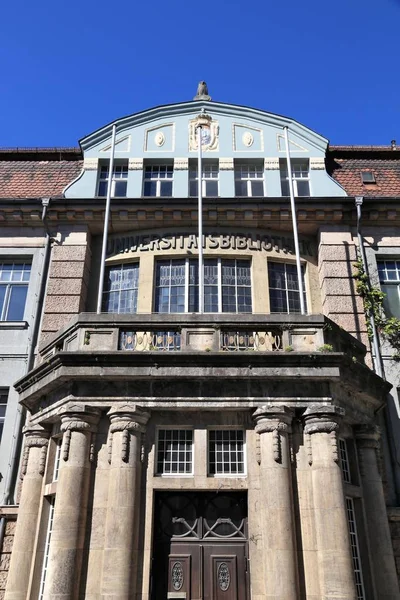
point(225, 572)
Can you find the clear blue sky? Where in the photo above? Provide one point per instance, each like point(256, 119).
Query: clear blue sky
point(68, 68)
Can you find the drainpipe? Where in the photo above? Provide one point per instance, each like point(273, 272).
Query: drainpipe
point(378, 363)
point(8, 496)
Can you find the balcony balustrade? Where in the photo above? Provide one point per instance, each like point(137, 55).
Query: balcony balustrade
point(202, 333)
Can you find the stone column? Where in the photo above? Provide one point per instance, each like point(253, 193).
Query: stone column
point(336, 576)
point(78, 424)
point(382, 559)
point(276, 511)
point(33, 467)
point(120, 545)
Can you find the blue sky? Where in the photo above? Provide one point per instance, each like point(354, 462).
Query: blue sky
point(68, 68)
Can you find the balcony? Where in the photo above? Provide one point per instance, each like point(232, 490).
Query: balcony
point(188, 333)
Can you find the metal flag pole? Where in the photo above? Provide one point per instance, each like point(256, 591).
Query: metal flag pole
point(200, 217)
point(106, 221)
point(294, 221)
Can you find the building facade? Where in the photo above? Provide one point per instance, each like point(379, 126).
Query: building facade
point(233, 454)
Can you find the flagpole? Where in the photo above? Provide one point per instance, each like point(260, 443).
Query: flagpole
point(200, 218)
point(294, 221)
point(106, 220)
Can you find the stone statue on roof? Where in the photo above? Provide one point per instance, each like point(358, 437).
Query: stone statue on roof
point(202, 92)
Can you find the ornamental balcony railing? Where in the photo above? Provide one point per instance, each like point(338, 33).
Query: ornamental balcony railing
point(227, 333)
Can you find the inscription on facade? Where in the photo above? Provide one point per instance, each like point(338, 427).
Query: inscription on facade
point(211, 241)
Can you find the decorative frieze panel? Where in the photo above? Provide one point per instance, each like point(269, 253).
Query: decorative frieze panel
point(91, 164)
point(226, 164)
point(181, 164)
point(135, 164)
point(317, 164)
point(271, 164)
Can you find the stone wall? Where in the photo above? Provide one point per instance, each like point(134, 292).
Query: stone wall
point(394, 523)
point(68, 280)
point(5, 553)
point(340, 301)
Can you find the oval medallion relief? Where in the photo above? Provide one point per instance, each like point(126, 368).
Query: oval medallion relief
point(247, 139)
point(224, 576)
point(177, 576)
point(159, 138)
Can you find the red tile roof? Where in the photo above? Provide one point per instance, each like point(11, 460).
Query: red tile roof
point(37, 172)
point(346, 163)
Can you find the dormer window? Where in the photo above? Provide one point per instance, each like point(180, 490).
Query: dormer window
point(119, 181)
point(300, 176)
point(368, 177)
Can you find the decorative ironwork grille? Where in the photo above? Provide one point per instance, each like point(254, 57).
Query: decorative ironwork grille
point(140, 341)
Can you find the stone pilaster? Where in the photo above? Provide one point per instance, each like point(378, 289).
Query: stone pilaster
point(382, 559)
point(33, 467)
point(127, 425)
point(78, 424)
point(336, 578)
point(273, 424)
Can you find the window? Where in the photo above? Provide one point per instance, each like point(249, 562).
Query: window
point(210, 179)
point(368, 177)
point(249, 180)
point(344, 460)
point(284, 295)
point(389, 277)
point(3, 408)
point(158, 180)
point(300, 176)
point(355, 549)
point(47, 547)
point(119, 181)
point(121, 289)
point(57, 459)
point(226, 452)
point(175, 452)
point(14, 279)
point(227, 286)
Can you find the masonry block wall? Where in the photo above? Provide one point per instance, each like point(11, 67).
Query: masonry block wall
point(340, 301)
point(68, 280)
point(5, 554)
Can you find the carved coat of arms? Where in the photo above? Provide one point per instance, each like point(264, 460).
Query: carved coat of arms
point(209, 133)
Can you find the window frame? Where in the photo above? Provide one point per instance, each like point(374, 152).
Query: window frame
point(364, 177)
point(248, 179)
point(11, 284)
point(107, 293)
point(284, 176)
point(244, 449)
point(207, 166)
point(303, 271)
point(160, 428)
point(4, 393)
point(389, 283)
point(150, 168)
point(187, 285)
point(119, 164)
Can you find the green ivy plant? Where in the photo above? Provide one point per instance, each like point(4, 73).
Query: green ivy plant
point(373, 306)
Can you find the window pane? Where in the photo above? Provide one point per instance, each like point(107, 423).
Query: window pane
point(303, 188)
point(257, 188)
point(150, 188)
point(16, 304)
point(193, 188)
point(284, 292)
point(391, 302)
point(120, 189)
point(121, 288)
point(166, 188)
point(285, 187)
point(3, 289)
point(241, 188)
point(211, 188)
point(102, 188)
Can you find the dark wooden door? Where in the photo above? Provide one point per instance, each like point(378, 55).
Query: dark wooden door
point(200, 547)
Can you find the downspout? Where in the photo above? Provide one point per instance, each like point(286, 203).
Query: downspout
point(8, 496)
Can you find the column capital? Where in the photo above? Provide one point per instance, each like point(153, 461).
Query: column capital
point(319, 418)
point(272, 417)
point(126, 417)
point(78, 417)
point(368, 436)
point(35, 436)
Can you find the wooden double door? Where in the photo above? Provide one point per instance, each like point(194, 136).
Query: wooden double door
point(200, 547)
